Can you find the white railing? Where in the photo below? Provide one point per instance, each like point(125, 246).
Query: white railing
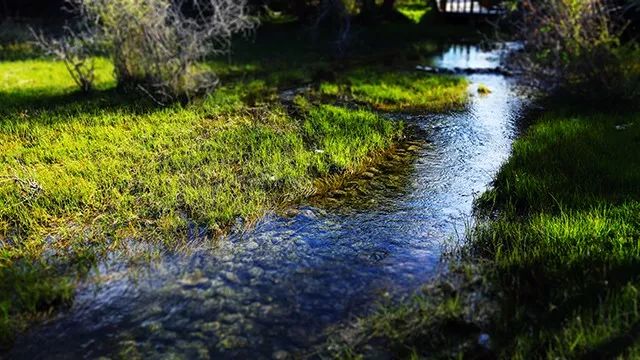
point(470, 7)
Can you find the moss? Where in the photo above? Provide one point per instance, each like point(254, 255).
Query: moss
point(483, 89)
point(413, 10)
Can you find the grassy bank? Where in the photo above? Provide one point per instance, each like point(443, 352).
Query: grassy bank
point(558, 248)
point(397, 91)
point(565, 247)
point(81, 176)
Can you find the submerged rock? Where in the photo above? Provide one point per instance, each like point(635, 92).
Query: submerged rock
point(280, 355)
point(234, 342)
point(193, 281)
point(256, 272)
point(231, 277)
point(291, 212)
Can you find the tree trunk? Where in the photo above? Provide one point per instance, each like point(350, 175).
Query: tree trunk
point(387, 6)
point(368, 10)
point(302, 10)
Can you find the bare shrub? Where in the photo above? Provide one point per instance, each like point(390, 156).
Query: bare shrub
point(572, 43)
point(155, 45)
point(76, 51)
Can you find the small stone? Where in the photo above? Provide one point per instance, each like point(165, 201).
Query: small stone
point(291, 212)
point(216, 283)
point(256, 272)
point(308, 213)
point(193, 280)
point(280, 355)
point(211, 326)
point(230, 318)
point(266, 311)
point(226, 292)
point(154, 327)
point(234, 342)
point(231, 277)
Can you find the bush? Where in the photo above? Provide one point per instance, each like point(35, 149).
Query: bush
point(75, 49)
point(574, 44)
point(154, 44)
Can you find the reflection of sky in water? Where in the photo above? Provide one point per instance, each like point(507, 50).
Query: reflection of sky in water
point(467, 57)
point(281, 284)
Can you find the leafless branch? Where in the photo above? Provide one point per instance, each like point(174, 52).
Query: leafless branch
point(153, 43)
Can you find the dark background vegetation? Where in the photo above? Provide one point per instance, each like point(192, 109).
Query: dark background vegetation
point(32, 8)
point(54, 8)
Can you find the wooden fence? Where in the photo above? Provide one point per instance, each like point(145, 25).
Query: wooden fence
point(469, 7)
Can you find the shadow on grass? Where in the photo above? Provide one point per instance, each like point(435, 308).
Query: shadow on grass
point(30, 106)
point(615, 346)
point(563, 243)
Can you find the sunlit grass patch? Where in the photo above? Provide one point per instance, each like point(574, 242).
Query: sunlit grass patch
point(41, 77)
point(401, 91)
point(80, 176)
point(413, 10)
point(344, 136)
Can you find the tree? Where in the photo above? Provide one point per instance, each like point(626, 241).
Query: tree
point(388, 6)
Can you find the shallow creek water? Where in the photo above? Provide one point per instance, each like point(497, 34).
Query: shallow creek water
point(273, 290)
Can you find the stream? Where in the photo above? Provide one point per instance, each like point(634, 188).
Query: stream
point(273, 290)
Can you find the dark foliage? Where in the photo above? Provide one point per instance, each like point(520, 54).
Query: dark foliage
point(32, 8)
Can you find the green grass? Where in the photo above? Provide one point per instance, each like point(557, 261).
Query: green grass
point(413, 10)
point(399, 91)
point(565, 248)
point(83, 175)
point(404, 330)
